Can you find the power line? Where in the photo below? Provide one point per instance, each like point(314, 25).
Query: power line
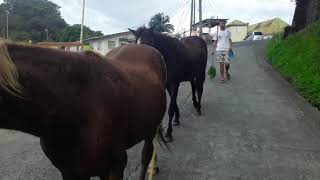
point(213, 5)
point(184, 14)
point(169, 12)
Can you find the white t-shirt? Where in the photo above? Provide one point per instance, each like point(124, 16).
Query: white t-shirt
point(223, 40)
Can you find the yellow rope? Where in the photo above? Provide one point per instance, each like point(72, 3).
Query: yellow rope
point(153, 163)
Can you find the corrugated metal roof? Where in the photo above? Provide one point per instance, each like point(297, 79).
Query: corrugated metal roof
point(109, 35)
point(237, 23)
point(59, 44)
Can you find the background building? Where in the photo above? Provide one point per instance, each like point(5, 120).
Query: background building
point(106, 43)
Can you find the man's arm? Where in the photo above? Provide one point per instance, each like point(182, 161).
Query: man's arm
point(214, 42)
point(230, 41)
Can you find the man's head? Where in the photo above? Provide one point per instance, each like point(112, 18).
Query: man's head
point(222, 25)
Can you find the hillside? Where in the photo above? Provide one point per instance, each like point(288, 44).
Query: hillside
point(298, 60)
point(269, 27)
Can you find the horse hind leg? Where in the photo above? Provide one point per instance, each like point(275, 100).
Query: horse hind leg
point(71, 177)
point(146, 157)
point(199, 86)
point(173, 91)
point(176, 121)
point(119, 163)
point(169, 128)
point(193, 88)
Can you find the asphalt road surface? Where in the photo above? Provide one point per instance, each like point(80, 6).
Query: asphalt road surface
point(253, 127)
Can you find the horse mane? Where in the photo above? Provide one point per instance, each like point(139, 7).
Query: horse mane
point(166, 44)
point(9, 77)
point(141, 29)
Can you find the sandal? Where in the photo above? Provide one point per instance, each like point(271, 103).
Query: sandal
point(222, 80)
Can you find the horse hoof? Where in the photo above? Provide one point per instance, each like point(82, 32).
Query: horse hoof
point(195, 104)
point(157, 170)
point(199, 112)
point(176, 123)
point(168, 139)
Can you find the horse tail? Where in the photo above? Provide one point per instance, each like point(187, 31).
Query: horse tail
point(9, 77)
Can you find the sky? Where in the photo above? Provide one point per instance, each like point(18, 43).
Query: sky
point(112, 16)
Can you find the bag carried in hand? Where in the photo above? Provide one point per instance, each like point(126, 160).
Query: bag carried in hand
point(212, 72)
point(231, 54)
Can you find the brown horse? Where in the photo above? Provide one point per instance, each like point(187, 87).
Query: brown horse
point(86, 109)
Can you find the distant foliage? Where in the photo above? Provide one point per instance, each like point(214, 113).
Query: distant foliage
point(161, 23)
point(72, 33)
point(298, 60)
point(29, 20)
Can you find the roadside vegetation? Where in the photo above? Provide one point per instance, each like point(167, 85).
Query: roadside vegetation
point(298, 60)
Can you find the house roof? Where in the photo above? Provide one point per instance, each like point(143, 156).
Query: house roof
point(268, 27)
point(209, 23)
point(109, 35)
point(237, 23)
point(60, 44)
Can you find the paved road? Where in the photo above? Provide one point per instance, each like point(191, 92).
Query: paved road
point(254, 127)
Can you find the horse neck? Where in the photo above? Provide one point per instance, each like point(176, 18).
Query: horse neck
point(171, 50)
point(20, 112)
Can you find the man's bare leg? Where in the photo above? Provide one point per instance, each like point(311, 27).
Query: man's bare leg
point(222, 71)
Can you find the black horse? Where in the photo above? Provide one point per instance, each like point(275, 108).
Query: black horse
point(186, 60)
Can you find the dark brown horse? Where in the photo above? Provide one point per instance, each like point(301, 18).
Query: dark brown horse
point(186, 61)
point(86, 109)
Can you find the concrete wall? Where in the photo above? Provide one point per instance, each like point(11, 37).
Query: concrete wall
point(238, 33)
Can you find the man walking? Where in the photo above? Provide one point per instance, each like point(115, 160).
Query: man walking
point(222, 43)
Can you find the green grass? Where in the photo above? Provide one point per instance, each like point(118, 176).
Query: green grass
point(298, 60)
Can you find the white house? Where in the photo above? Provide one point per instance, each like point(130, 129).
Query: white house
point(108, 42)
point(67, 46)
point(238, 30)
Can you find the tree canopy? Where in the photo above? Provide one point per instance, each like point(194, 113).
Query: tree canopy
point(33, 19)
point(72, 33)
point(161, 23)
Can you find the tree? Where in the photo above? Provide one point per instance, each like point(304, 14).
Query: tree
point(161, 23)
point(178, 35)
point(28, 20)
point(72, 33)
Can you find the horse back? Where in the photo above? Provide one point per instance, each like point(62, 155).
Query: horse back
point(140, 58)
point(146, 73)
point(197, 52)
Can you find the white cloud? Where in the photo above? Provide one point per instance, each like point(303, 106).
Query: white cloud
point(72, 12)
point(251, 11)
point(115, 15)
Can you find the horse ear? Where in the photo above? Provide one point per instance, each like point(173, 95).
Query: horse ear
point(134, 32)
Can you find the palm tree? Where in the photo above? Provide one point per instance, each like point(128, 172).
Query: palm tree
point(160, 22)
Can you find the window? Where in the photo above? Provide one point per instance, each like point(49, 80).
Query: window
point(257, 33)
point(99, 45)
point(111, 44)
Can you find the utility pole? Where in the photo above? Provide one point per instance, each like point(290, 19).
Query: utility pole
point(7, 24)
point(194, 11)
point(200, 17)
point(191, 21)
point(47, 31)
point(82, 21)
